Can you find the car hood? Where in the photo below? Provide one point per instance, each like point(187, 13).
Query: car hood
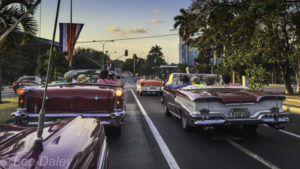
point(66, 144)
point(228, 94)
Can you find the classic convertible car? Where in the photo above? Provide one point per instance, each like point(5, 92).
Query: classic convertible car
point(60, 151)
point(26, 81)
point(214, 105)
point(102, 101)
point(149, 87)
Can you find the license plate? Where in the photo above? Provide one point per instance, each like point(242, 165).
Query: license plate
point(152, 87)
point(239, 113)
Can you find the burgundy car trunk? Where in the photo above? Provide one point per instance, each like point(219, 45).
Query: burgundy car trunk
point(66, 99)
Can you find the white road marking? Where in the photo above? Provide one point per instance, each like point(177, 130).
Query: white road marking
point(253, 155)
point(285, 132)
point(160, 141)
point(289, 133)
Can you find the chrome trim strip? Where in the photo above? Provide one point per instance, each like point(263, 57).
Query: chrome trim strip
point(150, 90)
point(36, 123)
point(207, 122)
point(120, 113)
point(70, 115)
point(276, 96)
point(102, 155)
point(175, 114)
point(238, 104)
point(105, 122)
point(166, 92)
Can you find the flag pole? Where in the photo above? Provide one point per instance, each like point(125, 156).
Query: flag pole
point(71, 50)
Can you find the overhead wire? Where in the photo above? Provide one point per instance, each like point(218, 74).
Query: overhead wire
point(134, 38)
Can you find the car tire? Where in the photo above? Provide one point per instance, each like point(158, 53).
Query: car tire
point(184, 122)
point(167, 112)
point(250, 128)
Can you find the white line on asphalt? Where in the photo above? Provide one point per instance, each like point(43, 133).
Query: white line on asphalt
point(285, 132)
point(253, 155)
point(160, 141)
point(289, 133)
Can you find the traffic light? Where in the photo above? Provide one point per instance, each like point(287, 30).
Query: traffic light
point(126, 52)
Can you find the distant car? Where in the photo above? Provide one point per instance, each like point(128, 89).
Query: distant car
point(217, 105)
point(26, 81)
point(153, 87)
point(89, 99)
point(71, 143)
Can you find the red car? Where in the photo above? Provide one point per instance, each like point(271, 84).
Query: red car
point(71, 143)
point(101, 101)
point(149, 87)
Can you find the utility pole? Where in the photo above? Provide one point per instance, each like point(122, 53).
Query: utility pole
point(71, 50)
point(134, 58)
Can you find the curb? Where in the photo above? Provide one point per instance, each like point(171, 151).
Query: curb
point(294, 102)
point(291, 109)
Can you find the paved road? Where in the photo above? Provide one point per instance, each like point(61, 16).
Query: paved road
point(220, 148)
point(8, 92)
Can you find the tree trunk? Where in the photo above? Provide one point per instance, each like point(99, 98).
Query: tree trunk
point(187, 54)
point(298, 81)
point(233, 77)
point(286, 75)
point(0, 83)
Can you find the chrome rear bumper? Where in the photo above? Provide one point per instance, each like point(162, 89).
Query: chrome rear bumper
point(108, 119)
point(279, 118)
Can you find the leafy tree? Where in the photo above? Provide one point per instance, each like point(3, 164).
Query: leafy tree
point(254, 35)
point(154, 59)
point(10, 12)
point(88, 59)
point(59, 64)
point(184, 23)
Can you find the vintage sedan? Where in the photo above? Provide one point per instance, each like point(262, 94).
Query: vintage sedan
point(60, 151)
point(215, 105)
point(26, 81)
point(153, 87)
point(101, 101)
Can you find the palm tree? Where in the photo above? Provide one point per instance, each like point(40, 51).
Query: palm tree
point(184, 23)
point(10, 12)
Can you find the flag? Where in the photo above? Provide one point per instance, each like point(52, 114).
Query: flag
point(64, 37)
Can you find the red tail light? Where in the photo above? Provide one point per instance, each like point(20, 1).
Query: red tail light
point(20, 91)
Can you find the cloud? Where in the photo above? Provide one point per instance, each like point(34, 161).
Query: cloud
point(155, 21)
point(116, 28)
point(136, 30)
point(155, 10)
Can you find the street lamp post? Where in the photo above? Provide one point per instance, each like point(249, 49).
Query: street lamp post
point(103, 44)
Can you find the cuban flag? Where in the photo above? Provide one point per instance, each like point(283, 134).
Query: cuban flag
point(64, 37)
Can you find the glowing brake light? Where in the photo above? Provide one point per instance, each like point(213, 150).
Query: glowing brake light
point(119, 92)
point(20, 91)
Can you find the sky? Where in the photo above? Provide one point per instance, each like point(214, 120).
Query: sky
point(117, 19)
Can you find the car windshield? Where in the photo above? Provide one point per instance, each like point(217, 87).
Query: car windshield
point(27, 79)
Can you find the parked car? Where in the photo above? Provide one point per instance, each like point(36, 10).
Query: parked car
point(71, 143)
point(26, 81)
point(101, 101)
point(215, 105)
point(153, 87)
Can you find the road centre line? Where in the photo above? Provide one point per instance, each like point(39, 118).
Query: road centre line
point(285, 132)
point(289, 133)
point(161, 143)
point(253, 155)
